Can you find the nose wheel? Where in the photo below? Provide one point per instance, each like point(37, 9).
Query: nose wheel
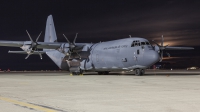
point(139, 72)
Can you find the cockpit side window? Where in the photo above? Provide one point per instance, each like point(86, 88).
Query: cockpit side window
point(133, 44)
point(147, 43)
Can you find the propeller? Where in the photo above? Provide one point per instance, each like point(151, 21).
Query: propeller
point(161, 48)
point(33, 45)
point(72, 46)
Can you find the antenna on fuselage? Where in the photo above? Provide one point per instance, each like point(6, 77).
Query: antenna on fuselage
point(130, 36)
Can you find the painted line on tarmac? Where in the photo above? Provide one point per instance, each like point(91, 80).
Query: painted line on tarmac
point(30, 106)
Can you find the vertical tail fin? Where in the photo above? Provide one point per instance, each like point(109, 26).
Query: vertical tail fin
point(50, 33)
point(50, 36)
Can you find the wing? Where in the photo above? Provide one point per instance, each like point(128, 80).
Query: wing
point(41, 45)
point(178, 48)
point(11, 43)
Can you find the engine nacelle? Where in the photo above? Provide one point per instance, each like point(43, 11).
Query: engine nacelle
point(64, 48)
point(27, 49)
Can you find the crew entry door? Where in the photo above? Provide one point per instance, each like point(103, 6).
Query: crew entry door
point(138, 52)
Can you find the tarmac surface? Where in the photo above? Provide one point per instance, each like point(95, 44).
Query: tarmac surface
point(157, 91)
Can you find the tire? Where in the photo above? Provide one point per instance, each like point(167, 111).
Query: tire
point(106, 73)
point(103, 73)
point(100, 73)
point(74, 73)
point(142, 72)
point(78, 73)
point(138, 72)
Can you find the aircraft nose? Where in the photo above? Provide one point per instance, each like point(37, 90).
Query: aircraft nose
point(151, 57)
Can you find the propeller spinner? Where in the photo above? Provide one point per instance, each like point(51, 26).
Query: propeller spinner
point(161, 48)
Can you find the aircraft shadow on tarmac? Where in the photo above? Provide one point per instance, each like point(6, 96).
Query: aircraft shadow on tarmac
point(149, 73)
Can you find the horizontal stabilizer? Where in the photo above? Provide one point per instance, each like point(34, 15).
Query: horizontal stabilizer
point(23, 52)
point(179, 48)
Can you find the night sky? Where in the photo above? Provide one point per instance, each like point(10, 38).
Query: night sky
point(103, 20)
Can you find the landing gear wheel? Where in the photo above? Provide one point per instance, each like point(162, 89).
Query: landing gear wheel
point(75, 73)
point(78, 73)
point(137, 72)
point(142, 72)
point(106, 72)
point(100, 73)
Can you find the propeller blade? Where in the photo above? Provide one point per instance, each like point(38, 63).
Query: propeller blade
point(161, 55)
point(168, 54)
point(67, 39)
point(156, 43)
point(27, 56)
point(39, 54)
point(75, 39)
point(162, 41)
point(78, 55)
point(29, 36)
point(38, 36)
point(69, 56)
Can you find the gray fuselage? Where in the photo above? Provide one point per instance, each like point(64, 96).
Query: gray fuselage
point(119, 55)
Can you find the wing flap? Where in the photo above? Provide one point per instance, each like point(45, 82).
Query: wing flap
point(48, 45)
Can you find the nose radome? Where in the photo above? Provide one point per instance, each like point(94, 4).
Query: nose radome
point(151, 57)
point(156, 57)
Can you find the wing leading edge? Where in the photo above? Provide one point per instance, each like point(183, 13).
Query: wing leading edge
point(11, 43)
point(178, 48)
point(41, 45)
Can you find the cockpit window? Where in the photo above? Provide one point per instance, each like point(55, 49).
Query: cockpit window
point(142, 43)
point(147, 43)
point(135, 43)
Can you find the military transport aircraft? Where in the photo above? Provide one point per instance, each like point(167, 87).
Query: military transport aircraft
point(126, 54)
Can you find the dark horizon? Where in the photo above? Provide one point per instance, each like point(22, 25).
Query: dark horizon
point(95, 21)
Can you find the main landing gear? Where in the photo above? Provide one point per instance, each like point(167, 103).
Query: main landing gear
point(78, 72)
point(139, 72)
